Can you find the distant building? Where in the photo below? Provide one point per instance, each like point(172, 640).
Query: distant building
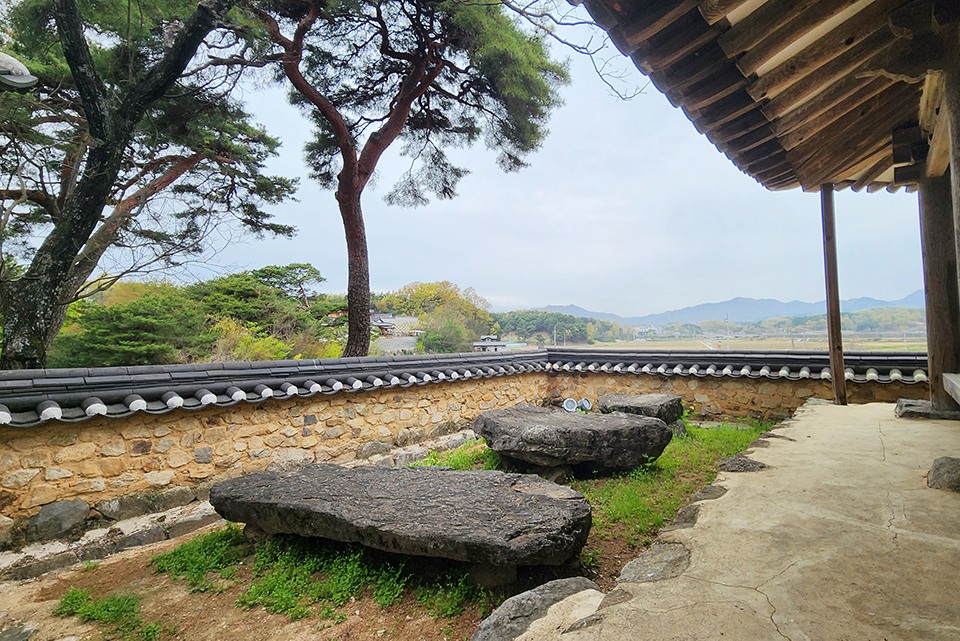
point(490, 343)
point(390, 325)
point(381, 324)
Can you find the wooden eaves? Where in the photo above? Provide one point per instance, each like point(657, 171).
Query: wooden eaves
point(801, 93)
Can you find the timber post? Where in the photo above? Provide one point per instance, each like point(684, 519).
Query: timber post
point(834, 334)
point(941, 287)
point(951, 98)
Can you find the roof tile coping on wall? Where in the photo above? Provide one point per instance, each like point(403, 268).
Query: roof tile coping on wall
point(32, 397)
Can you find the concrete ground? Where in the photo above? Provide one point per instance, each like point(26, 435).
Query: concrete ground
point(839, 539)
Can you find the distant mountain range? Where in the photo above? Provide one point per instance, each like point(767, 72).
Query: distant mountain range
point(741, 310)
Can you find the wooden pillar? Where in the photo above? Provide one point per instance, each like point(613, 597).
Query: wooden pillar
point(940, 286)
point(834, 335)
point(951, 96)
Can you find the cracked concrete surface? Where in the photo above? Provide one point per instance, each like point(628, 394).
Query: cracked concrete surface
point(839, 539)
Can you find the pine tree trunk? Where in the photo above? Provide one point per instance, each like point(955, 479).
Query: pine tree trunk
point(24, 344)
point(31, 303)
point(358, 283)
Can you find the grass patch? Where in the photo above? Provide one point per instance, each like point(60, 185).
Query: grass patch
point(449, 596)
point(472, 455)
point(291, 575)
point(219, 551)
point(119, 612)
point(642, 501)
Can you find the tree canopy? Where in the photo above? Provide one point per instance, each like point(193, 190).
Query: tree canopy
point(525, 324)
point(450, 317)
point(434, 75)
point(234, 317)
point(122, 152)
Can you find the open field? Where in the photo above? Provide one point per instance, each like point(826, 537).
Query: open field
point(850, 343)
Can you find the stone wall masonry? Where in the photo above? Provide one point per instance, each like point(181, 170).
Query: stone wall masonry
point(152, 455)
point(103, 458)
point(711, 398)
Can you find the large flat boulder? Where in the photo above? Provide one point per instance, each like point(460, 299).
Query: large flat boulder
point(552, 438)
point(667, 407)
point(484, 517)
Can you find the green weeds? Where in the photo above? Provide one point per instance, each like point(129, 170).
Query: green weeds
point(120, 613)
point(219, 551)
point(290, 575)
point(590, 559)
point(473, 455)
point(450, 594)
point(643, 500)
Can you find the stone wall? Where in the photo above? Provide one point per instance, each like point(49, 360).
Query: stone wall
point(148, 455)
point(711, 398)
point(103, 458)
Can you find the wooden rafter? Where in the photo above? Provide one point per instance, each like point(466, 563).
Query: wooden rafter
point(795, 92)
point(849, 108)
point(837, 42)
point(856, 61)
point(788, 32)
point(714, 11)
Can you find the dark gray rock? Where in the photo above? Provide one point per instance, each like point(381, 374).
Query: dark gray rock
point(190, 524)
point(140, 503)
point(552, 438)
point(686, 517)
point(914, 408)
point(515, 615)
point(945, 474)
point(136, 539)
point(30, 567)
point(125, 507)
point(709, 493)
point(667, 407)
point(660, 561)
point(19, 632)
point(475, 516)
point(97, 550)
point(741, 463)
point(372, 448)
point(678, 428)
point(57, 519)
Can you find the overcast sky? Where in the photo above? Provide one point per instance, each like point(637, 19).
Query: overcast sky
point(626, 209)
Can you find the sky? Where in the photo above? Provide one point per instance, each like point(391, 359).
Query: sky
point(625, 209)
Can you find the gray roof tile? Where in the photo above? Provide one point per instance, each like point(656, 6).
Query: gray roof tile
point(32, 397)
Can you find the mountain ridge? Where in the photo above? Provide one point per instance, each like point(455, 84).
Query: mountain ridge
point(742, 310)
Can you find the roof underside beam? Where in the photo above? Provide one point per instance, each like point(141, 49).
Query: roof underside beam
point(797, 92)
